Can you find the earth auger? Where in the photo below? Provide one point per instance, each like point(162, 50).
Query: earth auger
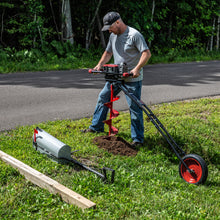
point(192, 167)
point(113, 113)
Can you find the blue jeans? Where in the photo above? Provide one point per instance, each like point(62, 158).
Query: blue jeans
point(136, 113)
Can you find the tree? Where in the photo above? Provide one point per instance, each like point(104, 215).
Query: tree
point(31, 24)
point(217, 34)
point(4, 6)
point(67, 32)
point(91, 25)
point(164, 24)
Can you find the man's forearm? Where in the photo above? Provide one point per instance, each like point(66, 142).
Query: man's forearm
point(106, 56)
point(145, 56)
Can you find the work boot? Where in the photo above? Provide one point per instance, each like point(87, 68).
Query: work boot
point(136, 144)
point(88, 130)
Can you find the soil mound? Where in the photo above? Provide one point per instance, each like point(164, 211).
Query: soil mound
point(115, 145)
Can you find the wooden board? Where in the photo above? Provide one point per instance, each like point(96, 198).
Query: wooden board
point(45, 182)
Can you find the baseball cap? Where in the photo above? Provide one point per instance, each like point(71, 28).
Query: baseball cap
point(109, 19)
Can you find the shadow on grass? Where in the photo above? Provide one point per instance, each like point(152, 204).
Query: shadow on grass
point(157, 145)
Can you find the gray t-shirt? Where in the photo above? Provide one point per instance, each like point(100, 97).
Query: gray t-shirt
point(127, 48)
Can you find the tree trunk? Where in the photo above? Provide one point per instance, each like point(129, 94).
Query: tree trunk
point(152, 12)
point(91, 26)
point(54, 20)
point(101, 32)
point(67, 33)
point(170, 27)
point(152, 16)
point(212, 37)
point(34, 40)
point(217, 34)
point(41, 39)
point(2, 29)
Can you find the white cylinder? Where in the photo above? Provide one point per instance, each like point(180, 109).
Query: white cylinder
point(47, 144)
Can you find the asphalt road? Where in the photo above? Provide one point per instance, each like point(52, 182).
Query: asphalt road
point(34, 97)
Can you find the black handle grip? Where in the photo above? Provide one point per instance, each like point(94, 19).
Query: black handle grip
point(95, 71)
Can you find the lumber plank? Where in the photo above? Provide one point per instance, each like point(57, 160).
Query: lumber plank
point(46, 182)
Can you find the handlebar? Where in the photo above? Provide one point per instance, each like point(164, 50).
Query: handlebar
point(95, 71)
point(125, 75)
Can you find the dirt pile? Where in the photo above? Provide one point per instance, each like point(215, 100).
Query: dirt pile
point(115, 145)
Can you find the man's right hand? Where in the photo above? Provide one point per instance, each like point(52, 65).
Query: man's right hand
point(106, 56)
point(98, 67)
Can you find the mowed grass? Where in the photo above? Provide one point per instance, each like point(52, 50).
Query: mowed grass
point(147, 186)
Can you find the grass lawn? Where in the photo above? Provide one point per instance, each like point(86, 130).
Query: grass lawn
point(147, 186)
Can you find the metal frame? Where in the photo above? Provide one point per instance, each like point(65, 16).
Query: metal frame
point(118, 78)
point(159, 126)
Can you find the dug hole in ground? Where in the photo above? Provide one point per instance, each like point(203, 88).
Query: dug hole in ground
point(115, 145)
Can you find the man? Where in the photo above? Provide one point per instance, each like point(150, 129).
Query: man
point(128, 46)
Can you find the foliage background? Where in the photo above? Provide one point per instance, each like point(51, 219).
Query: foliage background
point(165, 24)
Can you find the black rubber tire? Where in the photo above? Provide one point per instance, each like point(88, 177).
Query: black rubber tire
point(198, 165)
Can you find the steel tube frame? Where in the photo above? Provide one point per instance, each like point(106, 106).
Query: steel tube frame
point(156, 123)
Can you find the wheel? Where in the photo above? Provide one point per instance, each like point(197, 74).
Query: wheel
point(197, 165)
